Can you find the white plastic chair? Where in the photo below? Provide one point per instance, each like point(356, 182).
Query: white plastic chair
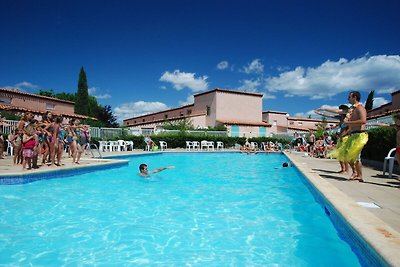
point(390, 160)
point(220, 145)
point(254, 145)
point(108, 146)
point(204, 145)
point(129, 145)
point(122, 145)
point(189, 145)
point(10, 148)
point(163, 145)
point(210, 145)
point(196, 145)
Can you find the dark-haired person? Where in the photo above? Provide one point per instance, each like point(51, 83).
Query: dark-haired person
point(358, 135)
point(143, 171)
point(342, 113)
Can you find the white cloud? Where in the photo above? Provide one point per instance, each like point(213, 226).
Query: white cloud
point(249, 85)
point(379, 73)
point(254, 67)
point(27, 85)
point(268, 96)
point(134, 109)
point(93, 92)
point(23, 86)
point(181, 80)
point(223, 65)
point(379, 101)
point(189, 100)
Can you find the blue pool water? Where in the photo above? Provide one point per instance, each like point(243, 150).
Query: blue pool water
point(218, 209)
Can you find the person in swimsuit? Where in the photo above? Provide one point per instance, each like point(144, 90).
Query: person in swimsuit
point(358, 136)
point(143, 171)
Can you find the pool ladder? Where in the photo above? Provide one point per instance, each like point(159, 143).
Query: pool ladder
point(95, 149)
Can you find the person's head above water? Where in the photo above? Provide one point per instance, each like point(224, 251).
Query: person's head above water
point(285, 164)
point(142, 168)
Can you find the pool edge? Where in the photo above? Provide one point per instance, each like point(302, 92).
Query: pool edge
point(379, 235)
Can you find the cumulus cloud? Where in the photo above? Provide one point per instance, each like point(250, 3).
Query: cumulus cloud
point(93, 92)
point(250, 85)
point(254, 67)
point(134, 109)
point(379, 73)
point(223, 65)
point(23, 86)
point(379, 101)
point(182, 80)
point(189, 100)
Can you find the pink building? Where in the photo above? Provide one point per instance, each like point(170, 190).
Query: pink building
point(240, 112)
point(16, 100)
point(281, 123)
point(387, 108)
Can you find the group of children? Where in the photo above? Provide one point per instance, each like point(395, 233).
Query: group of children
point(48, 139)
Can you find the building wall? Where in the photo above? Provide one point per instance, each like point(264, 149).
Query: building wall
point(35, 103)
point(230, 107)
point(205, 102)
point(275, 119)
point(161, 116)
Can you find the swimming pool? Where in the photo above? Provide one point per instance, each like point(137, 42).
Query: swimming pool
point(213, 208)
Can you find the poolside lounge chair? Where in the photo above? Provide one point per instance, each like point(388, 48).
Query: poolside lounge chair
point(163, 145)
point(220, 145)
point(189, 145)
point(389, 159)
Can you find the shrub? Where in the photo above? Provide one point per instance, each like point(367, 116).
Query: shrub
point(380, 141)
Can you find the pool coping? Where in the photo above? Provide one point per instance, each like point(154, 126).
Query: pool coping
point(378, 235)
point(24, 177)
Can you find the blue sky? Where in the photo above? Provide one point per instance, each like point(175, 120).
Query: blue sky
point(145, 56)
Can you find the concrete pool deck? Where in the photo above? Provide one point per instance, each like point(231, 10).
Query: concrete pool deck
point(372, 207)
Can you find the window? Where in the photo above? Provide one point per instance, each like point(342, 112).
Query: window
point(6, 100)
point(291, 123)
point(134, 121)
point(50, 106)
point(208, 110)
point(275, 122)
point(300, 123)
point(181, 114)
point(189, 111)
point(166, 116)
point(144, 120)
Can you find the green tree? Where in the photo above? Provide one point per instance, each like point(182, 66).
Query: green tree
point(181, 124)
point(49, 93)
point(82, 96)
point(105, 115)
point(370, 101)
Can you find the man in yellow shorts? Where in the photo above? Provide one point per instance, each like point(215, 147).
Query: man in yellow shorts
point(358, 135)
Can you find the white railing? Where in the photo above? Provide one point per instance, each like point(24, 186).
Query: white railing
point(386, 119)
point(11, 127)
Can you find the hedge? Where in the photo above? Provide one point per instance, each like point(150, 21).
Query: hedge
point(381, 140)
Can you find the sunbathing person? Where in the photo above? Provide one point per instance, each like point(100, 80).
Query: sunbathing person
point(143, 171)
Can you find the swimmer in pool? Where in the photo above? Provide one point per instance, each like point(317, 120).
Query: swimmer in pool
point(143, 171)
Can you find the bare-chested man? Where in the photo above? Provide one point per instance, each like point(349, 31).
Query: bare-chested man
point(358, 136)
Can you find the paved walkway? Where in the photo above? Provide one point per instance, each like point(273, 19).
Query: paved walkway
point(377, 189)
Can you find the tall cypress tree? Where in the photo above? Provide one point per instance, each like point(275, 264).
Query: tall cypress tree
point(82, 96)
point(370, 100)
